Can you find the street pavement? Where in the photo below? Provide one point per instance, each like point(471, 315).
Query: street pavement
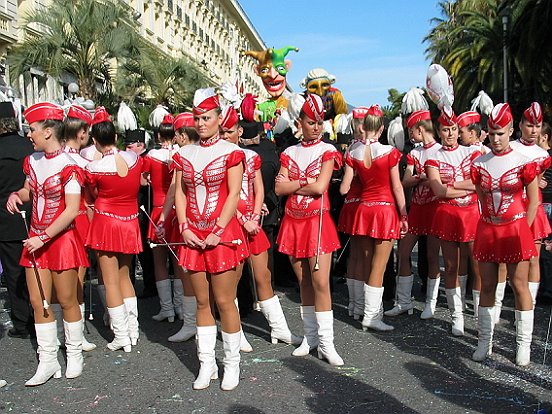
point(417, 368)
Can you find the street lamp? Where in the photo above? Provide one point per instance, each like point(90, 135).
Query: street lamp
point(504, 14)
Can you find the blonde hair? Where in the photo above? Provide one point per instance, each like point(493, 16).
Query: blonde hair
point(372, 123)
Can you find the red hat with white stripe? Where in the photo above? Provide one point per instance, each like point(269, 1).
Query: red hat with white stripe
point(168, 119)
point(447, 118)
point(185, 119)
point(500, 117)
point(78, 112)
point(417, 116)
point(43, 111)
point(205, 100)
point(230, 117)
point(314, 107)
point(533, 114)
point(360, 112)
point(100, 115)
point(375, 110)
point(468, 118)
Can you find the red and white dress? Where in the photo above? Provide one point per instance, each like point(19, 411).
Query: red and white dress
point(257, 243)
point(114, 227)
point(298, 235)
point(455, 218)
point(376, 215)
point(204, 169)
point(503, 234)
point(423, 203)
point(352, 199)
point(158, 162)
point(82, 223)
point(50, 177)
point(541, 227)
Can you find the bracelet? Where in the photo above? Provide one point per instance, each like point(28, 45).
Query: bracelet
point(184, 226)
point(15, 193)
point(404, 217)
point(217, 230)
point(256, 218)
point(242, 220)
point(44, 238)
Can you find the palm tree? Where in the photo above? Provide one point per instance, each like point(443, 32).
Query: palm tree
point(86, 38)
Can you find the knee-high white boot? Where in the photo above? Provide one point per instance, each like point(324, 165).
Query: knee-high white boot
point(351, 290)
point(245, 346)
point(524, 335)
point(404, 297)
point(310, 328)
point(178, 298)
point(358, 310)
point(432, 293)
point(101, 294)
point(131, 306)
point(499, 296)
point(485, 326)
point(454, 300)
point(48, 366)
point(534, 289)
point(58, 315)
point(86, 346)
point(231, 361)
point(73, 348)
point(463, 281)
point(188, 330)
point(476, 294)
point(372, 304)
point(165, 300)
point(279, 330)
point(119, 322)
point(208, 370)
point(326, 348)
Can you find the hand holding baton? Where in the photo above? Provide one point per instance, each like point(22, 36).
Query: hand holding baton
point(317, 261)
point(165, 243)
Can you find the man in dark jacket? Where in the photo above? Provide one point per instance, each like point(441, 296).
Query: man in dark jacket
point(13, 150)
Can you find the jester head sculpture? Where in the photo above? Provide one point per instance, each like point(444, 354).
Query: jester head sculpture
point(272, 68)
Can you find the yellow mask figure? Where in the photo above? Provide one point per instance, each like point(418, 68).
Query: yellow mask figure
point(319, 86)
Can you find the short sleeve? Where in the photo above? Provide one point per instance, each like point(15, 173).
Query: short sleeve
point(475, 175)
point(394, 157)
point(431, 163)
point(178, 162)
point(347, 159)
point(410, 159)
point(72, 187)
point(72, 171)
point(529, 172)
point(257, 162)
point(90, 178)
point(546, 163)
point(147, 164)
point(333, 155)
point(285, 160)
point(474, 155)
point(235, 158)
point(27, 165)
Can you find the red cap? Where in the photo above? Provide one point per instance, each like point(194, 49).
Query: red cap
point(205, 100)
point(247, 107)
point(229, 118)
point(185, 119)
point(100, 115)
point(375, 110)
point(78, 112)
point(415, 117)
point(360, 112)
point(447, 118)
point(533, 114)
point(168, 119)
point(468, 118)
point(314, 107)
point(43, 111)
point(500, 116)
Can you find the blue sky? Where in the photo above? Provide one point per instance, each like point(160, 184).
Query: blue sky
point(368, 46)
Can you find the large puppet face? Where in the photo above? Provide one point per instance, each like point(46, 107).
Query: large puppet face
point(319, 86)
point(273, 77)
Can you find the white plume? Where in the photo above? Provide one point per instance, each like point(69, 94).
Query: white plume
point(126, 121)
point(157, 115)
point(344, 123)
point(413, 101)
point(484, 102)
point(395, 133)
point(229, 91)
point(439, 87)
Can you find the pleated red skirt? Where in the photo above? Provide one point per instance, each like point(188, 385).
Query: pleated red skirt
point(420, 218)
point(112, 235)
point(258, 243)
point(377, 221)
point(347, 217)
point(454, 223)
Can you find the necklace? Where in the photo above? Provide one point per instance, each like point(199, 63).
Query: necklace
point(210, 141)
point(53, 154)
point(310, 143)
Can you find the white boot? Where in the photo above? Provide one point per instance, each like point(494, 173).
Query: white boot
point(208, 370)
point(358, 310)
point(58, 314)
point(476, 294)
point(326, 348)
point(454, 300)
point(73, 347)
point(279, 330)
point(534, 289)
point(131, 306)
point(404, 297)
point(178, 298)
point(86, 346)
point(499, 296)
point(48, 366)
point(165, 300)
point(463, 281)
point(101, 294)
point(245, 346)
point(188, 330)
point(351, 290)
point(231, 361)
point(310, 328)
point(119, 322)
point(432, 293)
point(372, 304)
point(524, 335)
point(485, 326)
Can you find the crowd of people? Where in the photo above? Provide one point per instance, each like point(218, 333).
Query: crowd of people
point(201, 220)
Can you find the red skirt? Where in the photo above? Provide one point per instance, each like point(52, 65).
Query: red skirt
point(506, 243)
point(63, 252)
point(113, 235)
point(299, 237)
point(540, 227)
point(257, 243)
point(377, 221)
point(172, 234)
point(420, 218)
point(82, 224)
point(219, 259)
point(454, 223)
point(347, 217)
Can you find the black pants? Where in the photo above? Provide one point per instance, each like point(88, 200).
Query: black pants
point(146, 259)
point(14, 274)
